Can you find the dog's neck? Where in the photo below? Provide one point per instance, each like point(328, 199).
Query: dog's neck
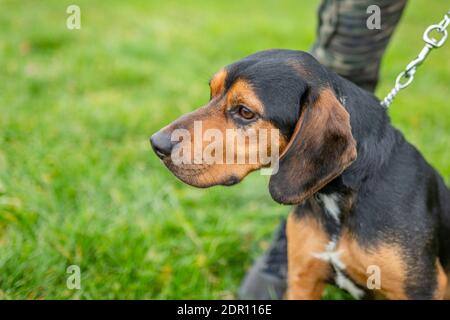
point(372, 131)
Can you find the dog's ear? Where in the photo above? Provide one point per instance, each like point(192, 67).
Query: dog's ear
point(320, 149)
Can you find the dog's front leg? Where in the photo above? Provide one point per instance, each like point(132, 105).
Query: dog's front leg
point(307, 274)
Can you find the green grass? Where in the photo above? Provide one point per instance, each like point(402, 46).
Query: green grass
point(78, 182)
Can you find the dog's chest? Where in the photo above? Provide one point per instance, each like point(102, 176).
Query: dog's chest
point(336, 249)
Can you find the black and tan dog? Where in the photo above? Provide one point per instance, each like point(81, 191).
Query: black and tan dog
point(363, 195)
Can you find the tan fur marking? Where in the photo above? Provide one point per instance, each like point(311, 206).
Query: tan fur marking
point(217, 83)
point(307, 275)
point(387, 257)
point(442, 291)
point(241, 92)
point(447, 290)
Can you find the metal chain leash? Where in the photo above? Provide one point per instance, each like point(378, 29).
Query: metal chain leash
point(405, 78)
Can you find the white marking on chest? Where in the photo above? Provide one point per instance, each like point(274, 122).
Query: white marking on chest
point(330, 203)
point(332, 256)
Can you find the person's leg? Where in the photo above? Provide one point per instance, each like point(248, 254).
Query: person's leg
point(346, 45)
point(266, 280)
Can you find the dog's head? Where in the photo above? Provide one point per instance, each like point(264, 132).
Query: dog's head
point(285, 95)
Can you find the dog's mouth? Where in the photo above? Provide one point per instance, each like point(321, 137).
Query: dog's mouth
point(199, 175)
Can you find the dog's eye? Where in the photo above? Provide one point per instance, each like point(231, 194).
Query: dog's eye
point(245, 113)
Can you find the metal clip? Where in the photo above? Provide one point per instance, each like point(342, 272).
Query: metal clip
point(410, 70)
point(432, 41)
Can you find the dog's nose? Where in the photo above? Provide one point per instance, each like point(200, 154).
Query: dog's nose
point(161, 144)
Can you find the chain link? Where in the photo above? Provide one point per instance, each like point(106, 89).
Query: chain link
point(406, 77)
